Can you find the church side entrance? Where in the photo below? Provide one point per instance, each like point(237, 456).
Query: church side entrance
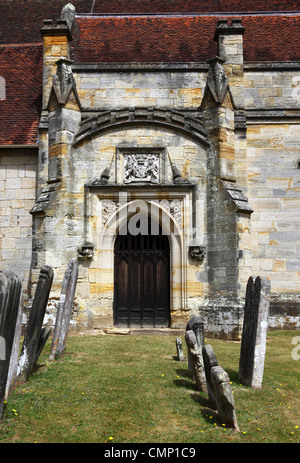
point(142, 280)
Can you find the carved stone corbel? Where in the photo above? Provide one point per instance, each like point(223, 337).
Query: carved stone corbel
point(86, 251)
point(197, 252)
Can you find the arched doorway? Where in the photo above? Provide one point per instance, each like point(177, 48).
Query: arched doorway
point(142, 280)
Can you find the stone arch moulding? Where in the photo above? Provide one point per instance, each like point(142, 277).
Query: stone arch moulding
point(186, 122)
point(144, 203)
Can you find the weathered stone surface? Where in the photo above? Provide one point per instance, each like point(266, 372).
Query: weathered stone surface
point(10, 295)
point(254, 336)
point(138, 105)
point(197, 325)
point(179, 349)
point(14, 358)
point(210, 361)
point(34, 326)
point(64, 310)
point(196, 360)
point(224, 398)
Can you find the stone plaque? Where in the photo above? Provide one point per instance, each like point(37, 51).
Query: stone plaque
point(141, 167)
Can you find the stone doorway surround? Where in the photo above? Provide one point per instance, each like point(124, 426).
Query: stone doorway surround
point(110, 208)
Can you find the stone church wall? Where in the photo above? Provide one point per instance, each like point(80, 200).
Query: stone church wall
point(17, 197)
point(243, 200)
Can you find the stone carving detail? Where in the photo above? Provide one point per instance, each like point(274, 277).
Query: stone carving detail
point(108, 208)
point(139, 167)
point(174, 208)
point(86, 251)
point(63, 80)
point(217, 80)
point(197, 252)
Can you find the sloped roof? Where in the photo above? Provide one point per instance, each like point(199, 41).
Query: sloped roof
point(21, 67)
point(144, 31)
point(175, 38)
point(20, 21)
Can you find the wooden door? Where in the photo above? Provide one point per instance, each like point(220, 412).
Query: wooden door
point(142, 281)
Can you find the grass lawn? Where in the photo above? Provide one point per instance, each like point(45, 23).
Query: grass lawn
point(132, 389)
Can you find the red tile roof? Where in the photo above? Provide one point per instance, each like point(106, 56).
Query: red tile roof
point(20, 21)
point(127, 32)
point(21, 67)
point(180, 39)
point(154, 39)
point(189, 6)
point(271, 38)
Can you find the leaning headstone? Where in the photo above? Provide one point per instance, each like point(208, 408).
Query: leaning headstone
point(196, 360)
point(197, 326)
point(10, 295)
point(179, 349)
point(64, 310)
point(254, 335)
point(210, 361)
point(33, 331)
point(224, 397)
point(14, 358)
point(45, 333)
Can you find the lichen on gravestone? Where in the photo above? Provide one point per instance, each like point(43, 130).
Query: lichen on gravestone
point(197, 366)
point(224, 397)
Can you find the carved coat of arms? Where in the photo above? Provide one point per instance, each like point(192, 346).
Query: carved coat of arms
point(141, 168)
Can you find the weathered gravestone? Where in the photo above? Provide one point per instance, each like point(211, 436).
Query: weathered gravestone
point(64, 310)
point(14, 358)
point(10, 297)
point(179, 349)
point(45, 333)
point(223, 397)
point(196, 360)
point(210, 361)
point(33, 333)
point(254, 335)
point(197, 326)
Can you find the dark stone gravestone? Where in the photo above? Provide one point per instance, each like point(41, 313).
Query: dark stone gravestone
point(254, 334)
point(33, 333)
point(45, 333)
point(224, 397)
point(10, 297)
point(179, 349)
point(210, 361)
point(196, 360)
point(64, 310)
